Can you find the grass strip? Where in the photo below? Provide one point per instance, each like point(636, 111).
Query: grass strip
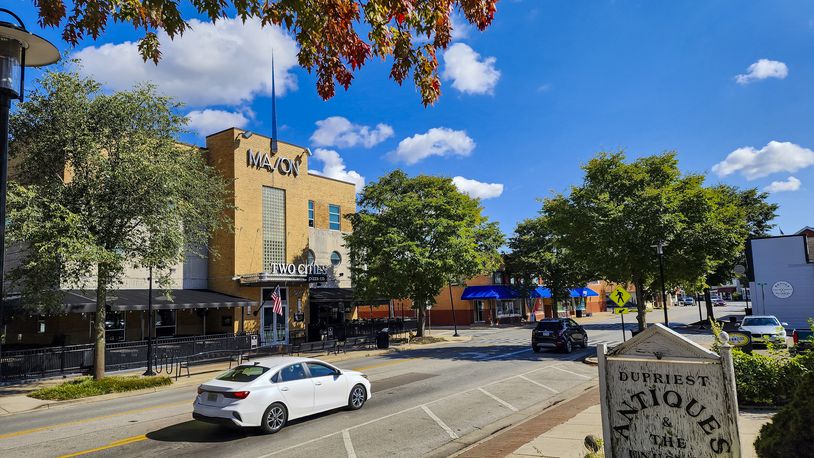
point(86, 386)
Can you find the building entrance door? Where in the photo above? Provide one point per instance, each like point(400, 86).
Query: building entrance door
point(478, 311)
point(275, 326)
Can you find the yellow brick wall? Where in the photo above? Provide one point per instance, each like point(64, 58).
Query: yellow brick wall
point(241, 251)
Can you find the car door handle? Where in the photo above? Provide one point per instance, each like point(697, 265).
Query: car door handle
point(317, 383)
point(285, 388)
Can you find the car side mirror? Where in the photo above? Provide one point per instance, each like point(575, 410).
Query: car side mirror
point(784, 323)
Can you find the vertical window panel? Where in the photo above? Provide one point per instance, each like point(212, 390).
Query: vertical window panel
point(273, 227)
point(334, 217)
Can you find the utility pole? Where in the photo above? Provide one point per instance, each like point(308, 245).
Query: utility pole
point(150, 325)
point(452, 304)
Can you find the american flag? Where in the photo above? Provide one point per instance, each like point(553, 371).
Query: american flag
point(278, 303)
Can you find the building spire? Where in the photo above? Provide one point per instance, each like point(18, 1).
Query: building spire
point(273, 108)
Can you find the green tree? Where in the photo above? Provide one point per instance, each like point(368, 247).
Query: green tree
point(623, 209)
point(102, 185)
point(328, 32)
point(412, 235)
point(536, 254)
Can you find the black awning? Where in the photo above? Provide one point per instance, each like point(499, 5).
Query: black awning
point(344, 295)
point(136, 299)
point(76, 301)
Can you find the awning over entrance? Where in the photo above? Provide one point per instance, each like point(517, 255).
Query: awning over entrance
point(545, 293)
point(76, 301)
point(489, 292)
point(336, 295)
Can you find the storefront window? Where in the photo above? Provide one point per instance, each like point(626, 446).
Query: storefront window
point(333, 217)
point(273, 227)
point(165, 323)
point(310, 258)
point(310, 213)
point(336, 258)
point(114, 326)
point(506, 309)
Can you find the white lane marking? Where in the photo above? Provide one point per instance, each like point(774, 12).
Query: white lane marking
point(505, 404)
point(574, 373)
point(348, 443)
point(506, 354)
point(538, 384)
point(443, 398)
point(440, 422)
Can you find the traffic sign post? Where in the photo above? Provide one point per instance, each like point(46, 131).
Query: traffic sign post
point(622, 311)
point(620, 296)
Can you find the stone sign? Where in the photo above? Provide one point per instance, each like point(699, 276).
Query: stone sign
point(663, 395)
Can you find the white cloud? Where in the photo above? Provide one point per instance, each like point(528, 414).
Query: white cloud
point(461, 28)
point(477, 189)
point(773, 158)
point(338, 131)
point(790, 184)
point(438, 141)
point(334, 167)
point(208, 121)
point(226, 63)
point(469, 73)
point(762, 69)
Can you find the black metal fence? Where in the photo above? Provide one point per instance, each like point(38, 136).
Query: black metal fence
point(73, 359)
point(359, 328)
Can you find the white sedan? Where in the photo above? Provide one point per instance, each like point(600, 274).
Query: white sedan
point(765, 329)
point(269, 392)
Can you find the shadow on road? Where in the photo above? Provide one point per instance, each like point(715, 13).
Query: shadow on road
point(480, 353)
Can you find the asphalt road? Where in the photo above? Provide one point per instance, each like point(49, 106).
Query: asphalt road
point(430, 401)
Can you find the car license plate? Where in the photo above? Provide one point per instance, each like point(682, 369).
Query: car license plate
point(212, 397)
point(546, 333)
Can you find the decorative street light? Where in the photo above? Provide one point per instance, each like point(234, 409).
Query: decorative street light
point(18, 49)
point(660, 251)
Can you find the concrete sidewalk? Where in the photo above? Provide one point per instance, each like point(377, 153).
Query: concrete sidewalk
point(14, 398)
point(560, 431)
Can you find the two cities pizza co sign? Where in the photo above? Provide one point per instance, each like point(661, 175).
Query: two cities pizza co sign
point(663, 395)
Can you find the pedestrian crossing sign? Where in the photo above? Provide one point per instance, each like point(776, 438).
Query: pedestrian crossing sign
point(620, 296)
point(621, 310)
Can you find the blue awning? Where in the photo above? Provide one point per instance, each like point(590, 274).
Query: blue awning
point(583, 292)
point(489, 292)
point(545, 293)
point(541, 292)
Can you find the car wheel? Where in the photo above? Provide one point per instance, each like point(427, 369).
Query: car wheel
point(568, 346)
point(535, 348)
point(274, 418)
point(585, 342)
point(357, 397)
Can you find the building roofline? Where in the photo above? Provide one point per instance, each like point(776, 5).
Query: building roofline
point(807, 228)
point(312, 174)
point(254, 133)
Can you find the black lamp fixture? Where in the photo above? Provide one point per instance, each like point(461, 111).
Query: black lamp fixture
point(19, 49)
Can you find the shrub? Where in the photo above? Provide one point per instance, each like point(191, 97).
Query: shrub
point(86, 386)
point(791, 431)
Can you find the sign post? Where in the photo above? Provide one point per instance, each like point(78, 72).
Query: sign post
point(620, 296)
point(664, 395)
point(622, 311)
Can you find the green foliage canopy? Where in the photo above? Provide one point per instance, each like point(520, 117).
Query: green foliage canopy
point(413, 235)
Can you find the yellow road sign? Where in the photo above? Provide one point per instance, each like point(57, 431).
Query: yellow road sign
point(621, 310)
point(620, 296)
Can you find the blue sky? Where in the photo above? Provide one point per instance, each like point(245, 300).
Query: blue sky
point(524, 103)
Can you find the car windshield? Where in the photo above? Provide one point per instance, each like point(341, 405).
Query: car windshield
point(761, 322)
point(549, 326)
point(242, 373)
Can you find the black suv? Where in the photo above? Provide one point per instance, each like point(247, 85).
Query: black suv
point(560, 333)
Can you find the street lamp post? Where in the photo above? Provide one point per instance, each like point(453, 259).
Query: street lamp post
point(452, 304)
point(150, 324)
point(660, 251)
point(18, 49)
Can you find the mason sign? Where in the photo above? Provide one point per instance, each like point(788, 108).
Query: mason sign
point(283, 165)
point(663, 395)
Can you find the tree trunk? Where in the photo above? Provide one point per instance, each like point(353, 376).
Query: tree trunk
point(99, 325)
point(422, 312)
point(708, 301)
point(554, 303)
point(641, 307)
